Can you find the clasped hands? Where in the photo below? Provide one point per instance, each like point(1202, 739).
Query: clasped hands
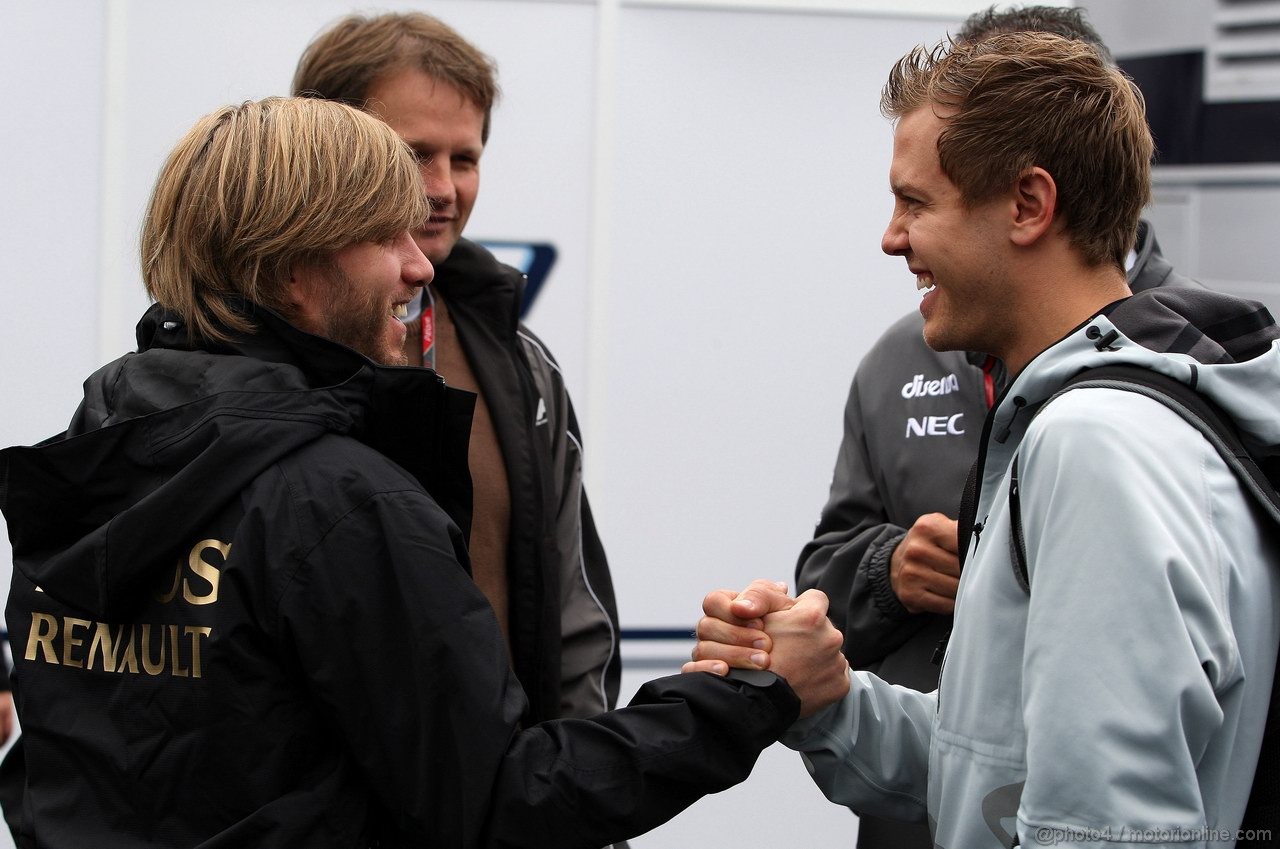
point(764, 628)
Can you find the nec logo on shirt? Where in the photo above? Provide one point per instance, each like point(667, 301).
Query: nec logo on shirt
point(918, 387)
point(936, 426)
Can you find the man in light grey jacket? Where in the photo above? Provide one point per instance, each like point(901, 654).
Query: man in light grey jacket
point(884, 548)
point(1117, 691)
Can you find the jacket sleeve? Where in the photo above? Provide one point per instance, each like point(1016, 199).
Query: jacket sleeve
point(590, 656)
point(870, 751)
point(848, 557)
point(404, 655)
point(585, 783)
point(1130, 650)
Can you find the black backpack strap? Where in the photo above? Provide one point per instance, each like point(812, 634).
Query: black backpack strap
point(1017, 542)
point(967, 526)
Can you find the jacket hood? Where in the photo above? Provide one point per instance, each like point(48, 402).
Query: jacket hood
point(1150, 268)
point(166, 437)
point(1223, 346)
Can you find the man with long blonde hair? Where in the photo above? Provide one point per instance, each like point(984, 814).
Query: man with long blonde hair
point(241, 607)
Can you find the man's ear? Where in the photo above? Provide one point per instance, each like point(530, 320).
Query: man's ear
point(299, 284)
point(299, 297)
point(1035, 197)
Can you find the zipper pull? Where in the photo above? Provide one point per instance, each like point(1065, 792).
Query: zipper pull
point(940, 651)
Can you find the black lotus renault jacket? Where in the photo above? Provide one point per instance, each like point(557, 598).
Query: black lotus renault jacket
point(241, 616)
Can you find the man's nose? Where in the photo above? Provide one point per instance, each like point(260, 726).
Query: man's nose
point(894, 242)
point(437, 179)
point(415, 269)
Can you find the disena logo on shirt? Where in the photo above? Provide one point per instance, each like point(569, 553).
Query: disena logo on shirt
point(137, 648)
point(918, 387)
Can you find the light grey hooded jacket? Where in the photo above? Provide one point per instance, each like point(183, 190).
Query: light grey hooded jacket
point(1123, 699)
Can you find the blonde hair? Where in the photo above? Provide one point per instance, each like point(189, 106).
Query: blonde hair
point(1031, 99)
point(253, 189)
point(344, 61)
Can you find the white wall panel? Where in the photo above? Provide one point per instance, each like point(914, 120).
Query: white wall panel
point(751, 190)
point(50, 170)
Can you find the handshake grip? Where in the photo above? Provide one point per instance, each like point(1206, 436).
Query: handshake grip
point(764, 628)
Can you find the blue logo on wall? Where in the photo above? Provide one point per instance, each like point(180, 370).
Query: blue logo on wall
point(533, 258)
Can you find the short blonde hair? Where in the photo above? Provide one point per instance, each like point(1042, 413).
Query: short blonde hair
point(254, 189)
point(1017, 101)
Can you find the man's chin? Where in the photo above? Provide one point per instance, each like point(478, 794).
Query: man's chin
point(386, 357)
point(937, 338)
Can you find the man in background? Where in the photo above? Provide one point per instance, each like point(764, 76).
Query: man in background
point(535, 553)
point(885, 548)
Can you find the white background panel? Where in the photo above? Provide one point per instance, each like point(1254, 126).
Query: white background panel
point(747, 281)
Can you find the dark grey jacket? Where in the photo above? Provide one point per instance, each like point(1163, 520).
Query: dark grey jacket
point(563, 616)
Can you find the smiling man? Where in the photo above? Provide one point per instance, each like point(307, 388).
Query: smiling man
point(885, 546)
point(241, 611)
point(534, 548)
point(1108, 676)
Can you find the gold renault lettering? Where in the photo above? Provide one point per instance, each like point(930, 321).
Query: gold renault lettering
point(129, 663)
point(105, 645)
point(175, 652)
point(152, 667)
point(43, 630)
point(137, 648)
point(69, 641)
point(170, 649)
point(196, 632)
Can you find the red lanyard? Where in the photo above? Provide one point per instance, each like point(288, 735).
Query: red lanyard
point(989, 382)
point(428, 329)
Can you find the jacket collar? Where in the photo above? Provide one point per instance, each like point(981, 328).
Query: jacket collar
point(478, 287)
